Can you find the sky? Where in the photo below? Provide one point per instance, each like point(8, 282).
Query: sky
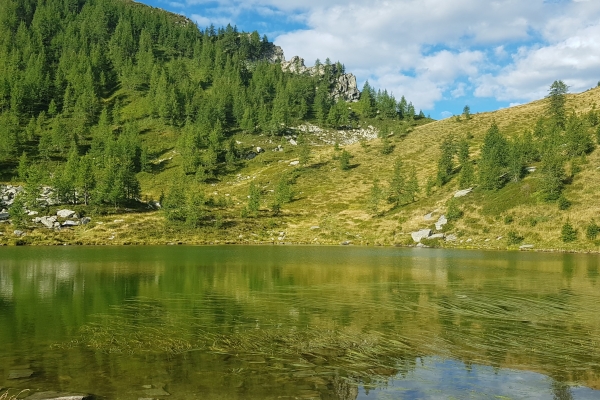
point(439, 54)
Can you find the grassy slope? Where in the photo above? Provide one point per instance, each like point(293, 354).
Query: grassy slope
point(335, 200)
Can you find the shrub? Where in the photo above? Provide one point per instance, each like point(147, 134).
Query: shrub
point(563, 203)
point(513, 238)
point(592, 230)
point(344, 160)
point(568, 233)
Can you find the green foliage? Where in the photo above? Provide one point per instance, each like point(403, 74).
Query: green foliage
point(397, 184)
point(453, 211)
point(553, 174)
point(563, 203)
point(195, 208)
point(303, 150)
point(412, 186)
point(283, 193)
point(592, 230)
point(568, 233)
point(17, 213)
point(513, 238)
point(375, 197)
point(467, 172)
point(446, 161)
point(494, 155)
point(556, 102)
point(386, 146)
point(345, 160)
point(254, 195)
point(467, 112)
point(174, 202)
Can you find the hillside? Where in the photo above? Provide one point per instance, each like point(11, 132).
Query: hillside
point(177, 120)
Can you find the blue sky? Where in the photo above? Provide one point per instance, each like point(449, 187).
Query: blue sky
point(440, 54)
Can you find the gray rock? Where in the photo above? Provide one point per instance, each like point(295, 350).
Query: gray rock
point(65, 213)
point(156, 392)
point(251, 156)
point(48, 222)
point(315, 227)
point(346, 243)
point(32, 213)
point(259, 150)
point(4, 216)
point(20, 373)
point(451, 238)
point(428, 217)
point(69, 223)
point(531, 169)
point(59, 396)
point(464, 192)
point(422, 234)
point(85, 220)
point(441, 222)
point(293, 142)
point(18, 233)
point(526, 247)
point(154, 204)
point(346, 89)
point(294, 163)
point(469, 240)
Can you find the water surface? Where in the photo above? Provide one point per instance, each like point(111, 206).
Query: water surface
point(300, 322)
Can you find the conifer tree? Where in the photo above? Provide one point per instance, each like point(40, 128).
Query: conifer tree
point(494, 155)
point(446, 161)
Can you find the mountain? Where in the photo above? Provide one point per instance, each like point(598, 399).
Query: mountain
point(121, 108)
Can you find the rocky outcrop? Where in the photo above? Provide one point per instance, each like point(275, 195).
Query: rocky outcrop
point(274, 54)
point(422, 234)
point(344, 87)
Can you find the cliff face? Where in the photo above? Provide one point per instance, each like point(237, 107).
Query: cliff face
point(344, 87)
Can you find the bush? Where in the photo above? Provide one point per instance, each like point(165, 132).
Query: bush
point(592, 231)
point(563, 203)
point(453, 212)
point(344, 160)
point(513, 238)
point(568, 233)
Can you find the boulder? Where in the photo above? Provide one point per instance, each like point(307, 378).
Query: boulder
point(69, 223)
point(259, 150)
point(531, 169)
point(441, 222)
point(32, 213)
point(48, 222)
point(526, 247)
point(293, 142)
point(20, 373)
point(4, 216)
point(59, 396)
point(18, 233)
point(345, 88)
point(154, 204)
point(422, 234)
point(294, 163)
point(65, 213)
point(85, 220)
point(346, 243)
point(315, 227)
point(464, 192)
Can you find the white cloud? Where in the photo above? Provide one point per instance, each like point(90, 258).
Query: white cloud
point(508, 49)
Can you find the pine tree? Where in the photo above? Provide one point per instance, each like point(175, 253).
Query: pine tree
point(446, 161)
point(557, 98)
point(253, 199)
point(412, 186)
point(375, 197)
point(494, 155)
point(467, 173)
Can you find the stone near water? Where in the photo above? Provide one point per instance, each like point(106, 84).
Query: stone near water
point(346, 243)
point(50, 395)
point(526, 247)
point(441, 222)
point(65, 213)
point(20, 373)
point(462, 193)
point(422, 234)
point(422, 246)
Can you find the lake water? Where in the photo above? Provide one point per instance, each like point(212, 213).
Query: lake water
point(299, 322)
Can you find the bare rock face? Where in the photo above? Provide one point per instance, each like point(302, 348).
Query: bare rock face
point(274, 54)
point(344, 87)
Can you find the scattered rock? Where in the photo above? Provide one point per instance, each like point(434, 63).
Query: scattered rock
point(154, 204)
point(526, 247)
point(439, 225)
point(48, 222)
point(156, 392)
point(315, 227)
point(65, 213)
point(486, 240)
point(531, 169)
point(422, 234)
point(346, 243)
point(32, 213)
point(469, 240)
point(294, 163)
point(464, 192)
point(59, 396)
point(118, 221)
point(20, 373)
point(18, 233)
point(278, 148)
point(4, 216)
point(69, 223)
point(437, 236)
point(499, 238)
point(451, 238)
point(85, 220)
point(259, 150)
point(293, 142)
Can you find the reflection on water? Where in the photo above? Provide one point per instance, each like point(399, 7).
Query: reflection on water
point(300, 322)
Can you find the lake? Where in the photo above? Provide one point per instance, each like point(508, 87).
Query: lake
point(282, 322)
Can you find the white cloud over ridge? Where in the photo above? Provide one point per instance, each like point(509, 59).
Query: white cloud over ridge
point(434, 50)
